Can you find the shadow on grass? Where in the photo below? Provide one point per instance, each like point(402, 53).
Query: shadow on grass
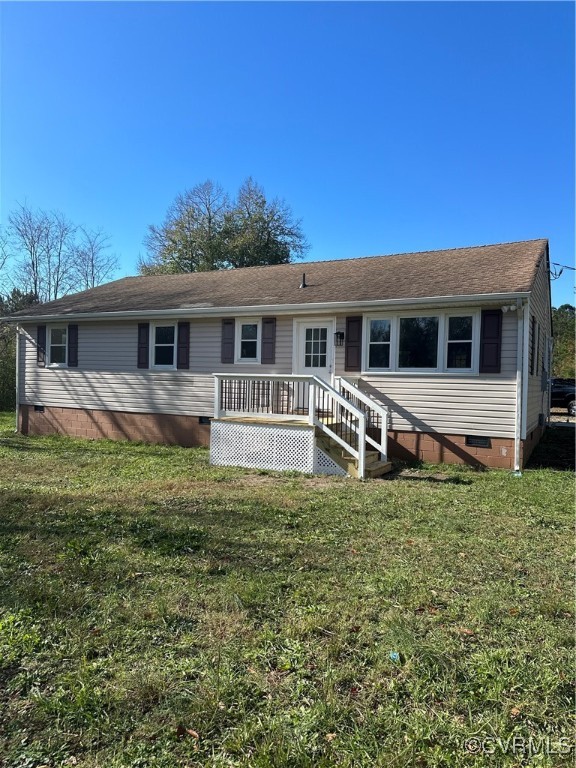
point(419, 471)
point(556, 450)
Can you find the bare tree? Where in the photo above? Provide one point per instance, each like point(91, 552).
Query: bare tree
point(27, 232)
point(43, 246)
point(4, 250)
point(93, 265)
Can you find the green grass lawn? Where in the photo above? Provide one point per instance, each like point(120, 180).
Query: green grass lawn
point(157, 612)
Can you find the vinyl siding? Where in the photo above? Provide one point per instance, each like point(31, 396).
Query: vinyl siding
point(539, 308)
point(107, 378)
point(448, 403)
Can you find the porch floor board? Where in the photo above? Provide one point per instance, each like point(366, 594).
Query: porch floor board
point(285, 422)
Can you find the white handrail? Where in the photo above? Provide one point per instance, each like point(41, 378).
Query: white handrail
point(381, 410)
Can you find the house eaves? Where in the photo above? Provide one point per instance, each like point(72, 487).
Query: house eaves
point(275, 309)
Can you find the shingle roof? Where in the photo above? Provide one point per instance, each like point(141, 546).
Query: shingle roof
point(478, 270)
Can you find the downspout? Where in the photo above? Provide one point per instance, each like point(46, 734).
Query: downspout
point(520, 343)
point(17, 379)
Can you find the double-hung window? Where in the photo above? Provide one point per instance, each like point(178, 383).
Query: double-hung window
point(459, 338)
point(58, 345)
point(379, 344)
point(163, 346)
point(249, 341)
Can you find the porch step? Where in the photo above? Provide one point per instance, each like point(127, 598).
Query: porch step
point(373, 466)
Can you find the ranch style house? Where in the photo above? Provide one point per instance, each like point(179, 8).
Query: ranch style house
point(323, 367)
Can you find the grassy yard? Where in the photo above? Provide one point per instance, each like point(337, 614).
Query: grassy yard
point(156, 612)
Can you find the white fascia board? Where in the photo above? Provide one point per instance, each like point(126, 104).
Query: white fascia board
point(275, 309)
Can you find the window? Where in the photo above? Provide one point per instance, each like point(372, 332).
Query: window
point(316, 345)
point(248, 342)
point(379, 344)
point(418, 344)
point(163, 345)
point(459, 342)
point(58, 346)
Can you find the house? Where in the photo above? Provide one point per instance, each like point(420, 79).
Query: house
point(331, 366)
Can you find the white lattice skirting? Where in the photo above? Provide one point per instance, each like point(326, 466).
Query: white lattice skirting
point(269, 446)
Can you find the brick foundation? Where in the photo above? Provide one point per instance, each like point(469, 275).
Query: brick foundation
point(117, 425)
point(450, 449)
point(170, 429)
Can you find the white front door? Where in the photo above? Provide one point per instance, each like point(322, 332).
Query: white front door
point(314, 348)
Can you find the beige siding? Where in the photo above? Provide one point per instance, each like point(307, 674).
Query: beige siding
point(108, 378)
point(448, 403)
point(453, 405)
point(539, 308)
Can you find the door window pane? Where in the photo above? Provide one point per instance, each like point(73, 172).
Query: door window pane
point(418, 342)
point(316, 346)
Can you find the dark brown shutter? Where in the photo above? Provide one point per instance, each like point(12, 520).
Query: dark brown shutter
point(228, 331)
point(143, 345)
point(353, 349)
point(183, 360)
point(72, 346)
point(490, 340)
point(41, 346)
point(268, 354)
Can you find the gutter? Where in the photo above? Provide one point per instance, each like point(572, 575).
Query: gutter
point(17, 379)
point(276, 309)
point(520, 345)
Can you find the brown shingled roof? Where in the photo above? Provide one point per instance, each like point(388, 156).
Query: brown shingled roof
point(486, 269)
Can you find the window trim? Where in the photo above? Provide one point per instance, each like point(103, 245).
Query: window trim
point(153, 345)
point(49, 330)
point(257, 321)
point(442, 350)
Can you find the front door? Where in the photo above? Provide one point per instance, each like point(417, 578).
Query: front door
point(314, 348)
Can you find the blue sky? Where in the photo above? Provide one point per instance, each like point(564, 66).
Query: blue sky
point(388, 127)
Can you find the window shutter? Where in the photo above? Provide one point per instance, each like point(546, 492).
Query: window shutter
point(143, 345)
point(183, 357)
point(41, 346)
point(268, 354)
point(228, 331)
point(72, 346)
point(490, 340)
point(353, 349)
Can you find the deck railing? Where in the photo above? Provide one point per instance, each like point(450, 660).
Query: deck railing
point(295, 397)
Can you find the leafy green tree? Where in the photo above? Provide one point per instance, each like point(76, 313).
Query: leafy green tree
point(204, 230)
point(13, 302)
point(564, 324)
point(190, 239)
point(258, 232)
